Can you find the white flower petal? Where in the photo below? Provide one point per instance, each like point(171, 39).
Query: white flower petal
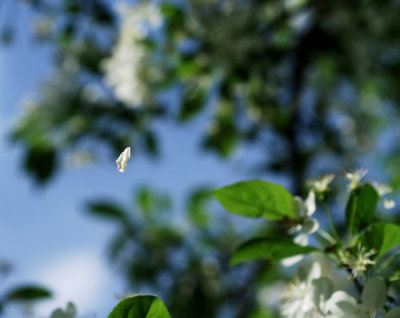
point(123, 158)
point(342, 305)
point(310, 226)
point(322, 289)
point(388, 204)
point(298, 206)
point(301, 239)
point(309, 204)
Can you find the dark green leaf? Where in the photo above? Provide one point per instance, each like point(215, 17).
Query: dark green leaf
point(106, 209)
point(41, 163)
point(360, 209)
point(28, 292)
point(256, 198)
point(197, 206)
point(272, 249)
point(382, 237)
point(141, 306)
point(192, 102)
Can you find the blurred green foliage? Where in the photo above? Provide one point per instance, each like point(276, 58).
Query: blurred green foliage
point(312, 84)
point(299, 79)
point(181, 260)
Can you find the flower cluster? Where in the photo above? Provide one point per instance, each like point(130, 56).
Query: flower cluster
point(128, 69)
point(312, 295)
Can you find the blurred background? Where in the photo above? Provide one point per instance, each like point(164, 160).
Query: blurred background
point(206, 92)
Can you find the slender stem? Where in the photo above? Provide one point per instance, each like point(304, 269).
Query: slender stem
point(326, 236)
point(328, 212)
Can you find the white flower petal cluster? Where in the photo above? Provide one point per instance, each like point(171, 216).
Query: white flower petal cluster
point(373, 297)
point(354, 177)
point(298, 298)
point(321, 185)
point(304, 226)
point(123, 158)
point(382, 190)
point(127, 69)
point(314, 297)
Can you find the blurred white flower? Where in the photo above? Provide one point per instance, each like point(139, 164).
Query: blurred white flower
point(123, 158)
point(304, 224)
point(298, 298)
point(321, 185)
point(354, 177)
point(126, 69)
point(373, 297)
point(382, 190)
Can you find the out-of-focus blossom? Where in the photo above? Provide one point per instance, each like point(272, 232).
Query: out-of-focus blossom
point(321, 185)
point(373, 297)
point(298, 298)
point(127, 70)
point(354, 177)
point(123, 158)
point(304, 224)
point(382, 190)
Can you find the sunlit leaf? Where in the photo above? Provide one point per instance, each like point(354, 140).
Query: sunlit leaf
point(382, 236)
point(141, 306)
point(256, 198)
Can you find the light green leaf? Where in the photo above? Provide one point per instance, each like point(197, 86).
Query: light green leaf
point(256, 198)
point(272, 249)
point(382, 236)
point(360, 209)
point(140, 306)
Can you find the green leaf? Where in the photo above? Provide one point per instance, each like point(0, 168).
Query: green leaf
point(141, 306)
point(256, 198)
point(106, 209)
point(360, 209)
point(395, 276)
point(272, 249)
point(28, 292)
point(382, 237)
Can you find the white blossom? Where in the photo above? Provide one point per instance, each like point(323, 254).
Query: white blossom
point(321, 185)
point(382, 190)
point(373, 298)
point(123, 158)
point(304, 224)
point(127, 70)
point(354, 177)
point(298, 298)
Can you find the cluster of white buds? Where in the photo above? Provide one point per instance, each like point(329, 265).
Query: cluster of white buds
point(358, 260)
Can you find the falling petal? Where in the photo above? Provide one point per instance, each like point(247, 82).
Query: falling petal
point(123, 158)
